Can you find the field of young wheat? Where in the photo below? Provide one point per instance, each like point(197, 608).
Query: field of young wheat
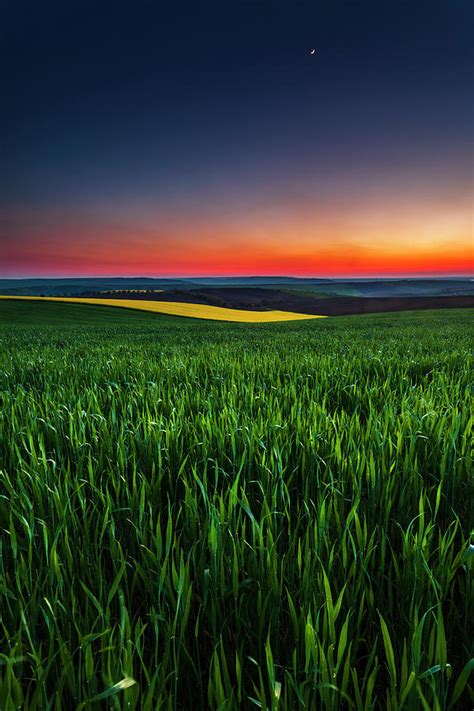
point(233, 516)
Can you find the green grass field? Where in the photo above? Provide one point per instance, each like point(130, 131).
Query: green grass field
point(205, 515)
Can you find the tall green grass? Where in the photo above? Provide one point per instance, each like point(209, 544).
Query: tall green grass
point(223, 516)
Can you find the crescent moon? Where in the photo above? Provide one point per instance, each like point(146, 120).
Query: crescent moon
point(312, 51)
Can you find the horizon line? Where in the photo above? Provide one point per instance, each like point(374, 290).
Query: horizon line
point(241, 276)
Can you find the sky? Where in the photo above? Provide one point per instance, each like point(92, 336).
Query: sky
point(154, 138)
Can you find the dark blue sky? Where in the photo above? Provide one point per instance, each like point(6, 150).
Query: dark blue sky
point(139, 113)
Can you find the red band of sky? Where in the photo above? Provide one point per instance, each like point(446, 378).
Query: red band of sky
point(153, 260)
point(365, 243)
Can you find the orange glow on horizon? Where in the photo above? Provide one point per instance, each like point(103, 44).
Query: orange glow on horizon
point(361, 242)
point(320, 263)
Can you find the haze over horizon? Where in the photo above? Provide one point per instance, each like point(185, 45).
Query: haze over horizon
point(208, 141)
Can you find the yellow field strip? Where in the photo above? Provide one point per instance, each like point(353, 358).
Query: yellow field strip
point(178, 308)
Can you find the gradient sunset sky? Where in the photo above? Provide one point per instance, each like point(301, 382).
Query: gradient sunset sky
point(199, 138)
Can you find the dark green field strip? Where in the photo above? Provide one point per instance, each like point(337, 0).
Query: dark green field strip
point(65, 315)
point(49, 313)
point(234, 516)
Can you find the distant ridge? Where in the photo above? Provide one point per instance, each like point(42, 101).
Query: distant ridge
point(360, 287)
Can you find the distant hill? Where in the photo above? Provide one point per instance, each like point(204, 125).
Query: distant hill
point(73, 287)
point(364, 288)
